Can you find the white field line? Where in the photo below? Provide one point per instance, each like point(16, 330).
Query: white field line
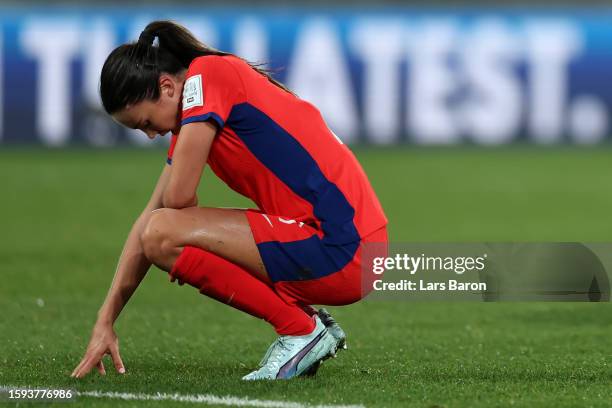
point(207, 399)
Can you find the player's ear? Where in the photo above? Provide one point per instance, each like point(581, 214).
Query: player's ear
point(167, 86)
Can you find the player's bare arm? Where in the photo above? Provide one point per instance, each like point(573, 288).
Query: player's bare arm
point(190, 157)
point(131, 269)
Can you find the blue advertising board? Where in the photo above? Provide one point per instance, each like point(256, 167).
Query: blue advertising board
point(379, 76)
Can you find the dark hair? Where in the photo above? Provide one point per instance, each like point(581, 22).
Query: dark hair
point(131, 72)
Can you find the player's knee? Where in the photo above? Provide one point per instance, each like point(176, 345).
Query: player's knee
point(157, 238)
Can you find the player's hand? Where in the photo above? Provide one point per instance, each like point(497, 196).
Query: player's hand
point(103, 341)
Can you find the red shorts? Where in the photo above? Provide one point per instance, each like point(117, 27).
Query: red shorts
point(305, 269)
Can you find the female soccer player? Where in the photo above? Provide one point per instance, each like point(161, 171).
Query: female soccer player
point(304, 244)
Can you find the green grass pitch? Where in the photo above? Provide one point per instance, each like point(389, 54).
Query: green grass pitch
point(64, 216)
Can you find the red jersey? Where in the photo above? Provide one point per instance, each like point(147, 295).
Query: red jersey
point(276, 149)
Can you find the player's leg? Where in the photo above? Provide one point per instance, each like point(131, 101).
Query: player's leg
point(203, 247)
point(224, 232)
point(213, 250)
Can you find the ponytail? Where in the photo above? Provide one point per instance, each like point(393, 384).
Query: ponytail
point(131, 72)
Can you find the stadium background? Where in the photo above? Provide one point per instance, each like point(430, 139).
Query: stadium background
point(474, 122)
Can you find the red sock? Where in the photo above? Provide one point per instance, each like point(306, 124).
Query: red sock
point(228, 283)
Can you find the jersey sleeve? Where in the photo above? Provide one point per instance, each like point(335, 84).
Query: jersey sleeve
point(171, 148)
point(212, 87)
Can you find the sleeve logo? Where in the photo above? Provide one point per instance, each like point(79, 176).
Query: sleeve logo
point(192, 92)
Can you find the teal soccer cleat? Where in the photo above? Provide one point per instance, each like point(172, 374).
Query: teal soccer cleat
point(334, 328)
point(336, 331)
point(290, 356)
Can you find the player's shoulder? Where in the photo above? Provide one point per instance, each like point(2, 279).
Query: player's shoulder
point(212, 63)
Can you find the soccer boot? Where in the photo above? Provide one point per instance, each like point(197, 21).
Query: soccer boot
point(336, 331)
point(334, 328)
point(290, 356)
